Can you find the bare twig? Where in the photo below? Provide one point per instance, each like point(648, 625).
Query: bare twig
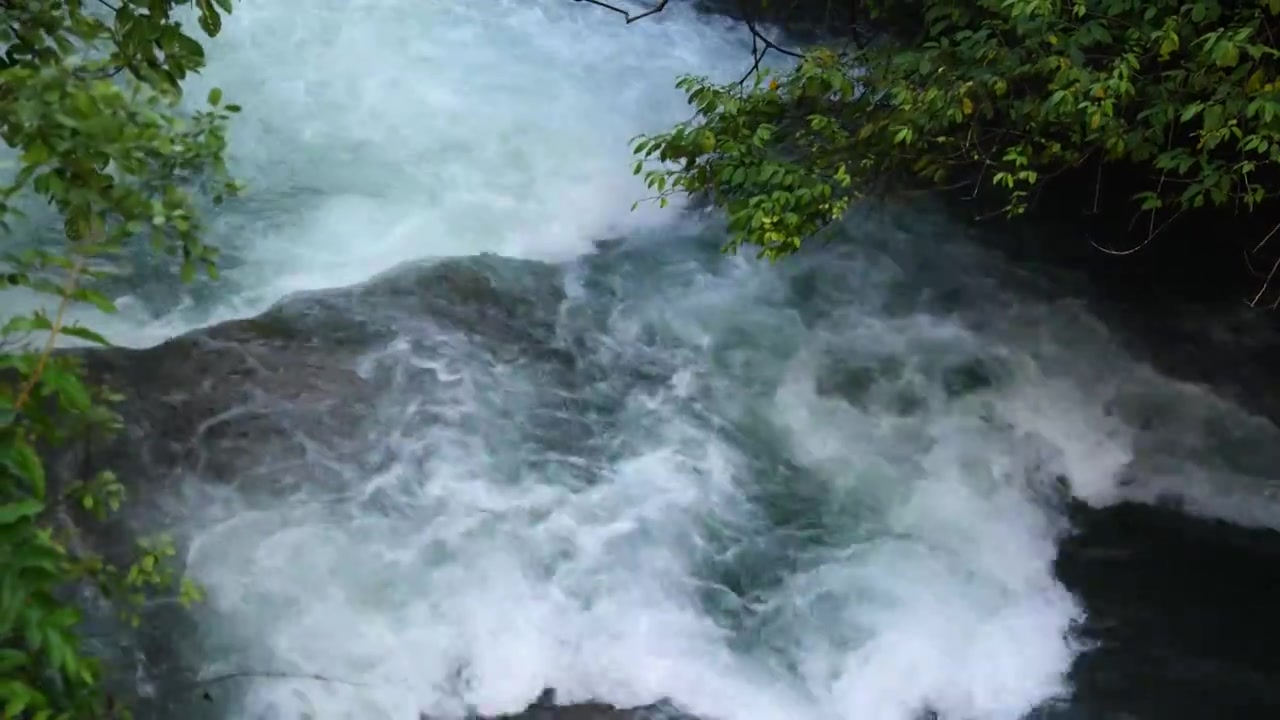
point(657, 8)
point(1097, 187)
point(102, 74)
point(1262, 290)
point(761, 44)
point(757, 54)
point(1258, 247)
point(1152, 222)
point(250, 675)
point(1146, 241)
point(756, 35)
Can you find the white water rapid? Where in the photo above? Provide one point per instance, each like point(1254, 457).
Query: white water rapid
point(839, 504)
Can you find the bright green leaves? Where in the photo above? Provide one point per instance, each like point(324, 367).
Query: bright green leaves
point(89, 103)
point(998, 95)
point(23, 470)
point(32, 568)
point(14, 512)
point(743, 152)
point(210, 19)
point(151, 572)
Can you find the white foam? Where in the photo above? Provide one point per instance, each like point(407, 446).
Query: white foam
point(1122, 431)
point(490, 591)
point(933, 586)
point(928, 582)
point(376, 132)
point(955, 606)
point(380, 131)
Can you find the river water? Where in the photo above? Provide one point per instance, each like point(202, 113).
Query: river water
point(830, 488)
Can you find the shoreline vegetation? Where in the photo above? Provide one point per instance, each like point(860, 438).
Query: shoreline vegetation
point(1146, 134)
point(92, 118)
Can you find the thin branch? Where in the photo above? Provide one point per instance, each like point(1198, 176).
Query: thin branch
point(68, 289)
point(659, 7)
point(1262, 290)
point(1151, 236)
point(1097, 188)
point(977, 185)
point(756, 56)
point(102, 74)
point(757, 35)
point(1152, 222)
point(250, 675)
point(760, 43)
point(1258, 247)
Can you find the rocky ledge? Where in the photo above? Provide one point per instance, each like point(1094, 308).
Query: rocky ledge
point(1181, 612)
point(545, 708)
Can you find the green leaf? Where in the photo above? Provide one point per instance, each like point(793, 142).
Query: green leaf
point(97, 299)
point(215, 96)
point(14, 512)
point(12, 659)
point(17, 703)
point(86, 335)
point(25, 463)
point(1212, 117)
point(36, 153)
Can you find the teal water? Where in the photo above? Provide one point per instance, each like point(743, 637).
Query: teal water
point(831, 488)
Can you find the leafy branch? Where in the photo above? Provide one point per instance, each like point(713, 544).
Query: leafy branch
point(55, 328)
point(1179, 99)
point(115, 155)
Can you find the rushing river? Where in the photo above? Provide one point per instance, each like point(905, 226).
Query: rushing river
point(829, 489)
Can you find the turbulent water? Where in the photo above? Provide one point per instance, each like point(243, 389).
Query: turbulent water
point(826, 489)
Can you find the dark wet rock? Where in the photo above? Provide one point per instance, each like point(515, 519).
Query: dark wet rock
point(1182, 612)
point(851, 384)
point(296, 379)
point(969, 376)
point(545, 708)
point(202, 402)
point(890, 385)
point(290, 398)
point(593, 711)
point(1182, 617)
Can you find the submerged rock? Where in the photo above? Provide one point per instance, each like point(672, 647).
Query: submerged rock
point(545, 708)
point(1181, 617)
point(1180, 610)
point(254, 401)
point(289, 399)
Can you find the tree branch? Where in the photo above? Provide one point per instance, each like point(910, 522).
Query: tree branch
point(761, 44)
point(68, 288)
point(1263, 290)
point(272, 675)
point(659, 7)
point(757, 35)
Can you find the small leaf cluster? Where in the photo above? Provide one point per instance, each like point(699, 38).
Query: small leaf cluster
point(90, 110)
point(995, 96)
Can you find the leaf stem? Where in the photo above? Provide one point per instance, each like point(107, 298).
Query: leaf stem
point(68, 287)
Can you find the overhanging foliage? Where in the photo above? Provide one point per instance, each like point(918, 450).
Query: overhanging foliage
point(996, 97)
point(89, 109)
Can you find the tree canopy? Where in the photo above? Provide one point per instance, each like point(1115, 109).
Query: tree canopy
point(993, 98)
point(92, 116)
